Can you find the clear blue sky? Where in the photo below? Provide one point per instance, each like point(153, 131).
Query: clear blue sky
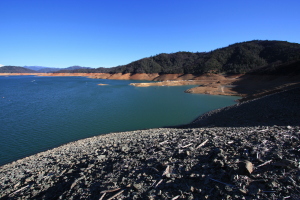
point(107, 33)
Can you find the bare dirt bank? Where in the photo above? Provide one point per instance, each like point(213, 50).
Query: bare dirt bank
point(246, 86)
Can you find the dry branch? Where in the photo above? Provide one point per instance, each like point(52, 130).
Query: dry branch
point(265, 163)
point(159, 182)
point(102, 196)
point(186, 145)
point(202, 144)
point(174, 198)
point(112, 190)
point(19, 190)
point(116, 195)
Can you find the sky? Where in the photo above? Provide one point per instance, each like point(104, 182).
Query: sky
point(108, 33)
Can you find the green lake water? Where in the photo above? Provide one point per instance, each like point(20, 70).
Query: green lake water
point(39, 113)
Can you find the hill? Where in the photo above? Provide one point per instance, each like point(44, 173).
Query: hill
point(76, 67)
point(41, 69)
point(15, 69)
point(236, 58)
point(285, 69)
point(88, 70)
point(35, 68)
point(256, 57)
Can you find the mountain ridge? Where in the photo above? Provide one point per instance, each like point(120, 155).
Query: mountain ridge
point(238, 58)
point(265, 56)
point(37, 69)
point(15, 69)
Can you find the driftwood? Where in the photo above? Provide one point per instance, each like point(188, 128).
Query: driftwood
point(64, 171)
point(19, 190)
point(202, 144)
point(75, 182)
point(159, 182)
point(265, 163)
point(102, 196)
point(186, 145)
point(116, 195)
point(176, 197)
point(112, 190)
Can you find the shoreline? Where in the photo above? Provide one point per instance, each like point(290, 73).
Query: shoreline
point(213, 84)
point(200, 161)
point(246, 86)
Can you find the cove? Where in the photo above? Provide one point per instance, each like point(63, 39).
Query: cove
point(40, 113)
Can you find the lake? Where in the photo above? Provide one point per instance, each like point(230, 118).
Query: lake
point(39, 113)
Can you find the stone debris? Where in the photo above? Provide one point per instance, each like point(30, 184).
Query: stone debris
point(150, 170)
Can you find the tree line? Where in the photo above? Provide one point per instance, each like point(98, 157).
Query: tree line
point(236, 58)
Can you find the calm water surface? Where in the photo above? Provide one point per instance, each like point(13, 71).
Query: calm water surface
point(38, 113)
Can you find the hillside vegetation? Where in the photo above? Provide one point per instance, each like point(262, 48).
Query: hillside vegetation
point(257, 56)
point(237, 58)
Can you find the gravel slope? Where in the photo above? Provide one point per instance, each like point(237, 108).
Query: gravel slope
point(279, 109)
point(250, 162)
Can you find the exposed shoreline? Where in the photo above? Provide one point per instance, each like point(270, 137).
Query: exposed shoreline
point(240, 161)
point(246, 86)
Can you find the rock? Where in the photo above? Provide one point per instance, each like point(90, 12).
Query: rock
point(124, 148)
point(245, 168)
point(214, 170)
point(138, 186)
point(249, 166)
point(101, 157)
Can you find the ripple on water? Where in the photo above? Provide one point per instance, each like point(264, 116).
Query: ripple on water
point(57, 110)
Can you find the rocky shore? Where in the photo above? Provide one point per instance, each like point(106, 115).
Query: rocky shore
point(280, 108)
point(246, 151)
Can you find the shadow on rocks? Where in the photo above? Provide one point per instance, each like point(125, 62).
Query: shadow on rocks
point(279, 109)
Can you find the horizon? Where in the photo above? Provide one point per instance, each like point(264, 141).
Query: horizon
point(60, 34)
point(135, 60)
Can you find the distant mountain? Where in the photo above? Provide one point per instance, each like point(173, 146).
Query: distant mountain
point(15, 69)
point(35, 68)
point(48, 70)
point(76, 67)
point(41, 69)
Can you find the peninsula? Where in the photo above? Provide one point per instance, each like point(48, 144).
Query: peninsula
point(247, 69)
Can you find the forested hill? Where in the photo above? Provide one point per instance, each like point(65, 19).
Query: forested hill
point(257, 56)
point(236, 58)
point(15, 69)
